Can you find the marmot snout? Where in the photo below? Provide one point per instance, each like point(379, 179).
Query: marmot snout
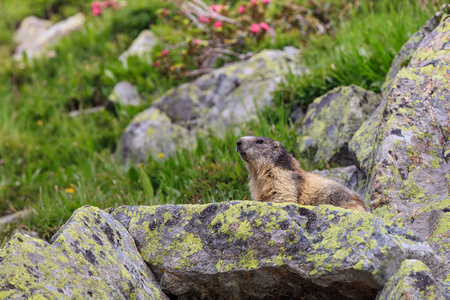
point(275, 176)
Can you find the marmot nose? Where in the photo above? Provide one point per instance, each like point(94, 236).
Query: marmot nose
point(238, 144)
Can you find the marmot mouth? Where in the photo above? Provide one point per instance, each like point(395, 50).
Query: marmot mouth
point(243, 155)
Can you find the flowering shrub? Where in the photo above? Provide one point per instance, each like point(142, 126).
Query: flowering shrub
point(220, 32)
point(98, 6)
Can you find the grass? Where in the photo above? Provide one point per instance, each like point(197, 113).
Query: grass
point(360, 52)
point(56, 164)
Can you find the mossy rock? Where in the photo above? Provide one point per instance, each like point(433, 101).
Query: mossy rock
point(404, 148)
point(244, 249)
point(225, 97)
point(92, 256)
point(413, 280)
point(331, 121)
point(406, 52)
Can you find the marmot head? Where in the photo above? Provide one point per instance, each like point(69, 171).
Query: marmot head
point(260, 152)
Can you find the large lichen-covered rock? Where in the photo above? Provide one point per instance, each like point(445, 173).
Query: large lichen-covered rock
point(38, 41)
point(406, 52)
point(404, 148)
point(413, 280)
point(241, 250)
point(331, 121)
point(226, 96)
point(92, 256)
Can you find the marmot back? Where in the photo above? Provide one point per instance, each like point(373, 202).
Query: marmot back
point(275, 176)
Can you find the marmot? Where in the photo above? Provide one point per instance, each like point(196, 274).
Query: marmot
point(275, 176)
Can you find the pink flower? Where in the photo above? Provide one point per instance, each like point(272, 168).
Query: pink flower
point(266, 1)
point(216, 8)
point(96, 8)
point(264, 26)
point(196, 41)
point(241, 9)
point(255, 28)
point(155, 64)
point(164, 52)
point(218, 25)
point(203, 19)
point(254, 2)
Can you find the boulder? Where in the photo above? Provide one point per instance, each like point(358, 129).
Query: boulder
point(141, 47)
point(404, 147)
point(125, 93)
point(224, 97)
point(29, 28)
point(413, 280)
point(36, 41)
point(243, 249)
point(92, 256)
point(406, 52)
point(332, 119)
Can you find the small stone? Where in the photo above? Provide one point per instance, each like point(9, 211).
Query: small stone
point(125, 93)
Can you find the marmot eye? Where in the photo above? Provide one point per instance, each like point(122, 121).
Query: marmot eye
point(259, 141)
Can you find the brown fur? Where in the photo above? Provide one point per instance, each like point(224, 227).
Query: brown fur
point(275, 176)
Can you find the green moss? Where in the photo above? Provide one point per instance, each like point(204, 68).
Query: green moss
point(219, 265)
point(435, 162)
point(411, 74)
point(239, 229)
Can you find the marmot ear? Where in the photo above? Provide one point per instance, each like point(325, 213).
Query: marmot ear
point(276, 144)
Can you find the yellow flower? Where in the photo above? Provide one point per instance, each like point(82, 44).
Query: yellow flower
point(70, 190)
point(223, 159)
point(212, 165)
point(140, 165)
point(160, 155)
point(40, 123)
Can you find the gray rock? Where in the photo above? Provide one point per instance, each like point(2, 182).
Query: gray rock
point(38, 41)
point(406, 52)
point(241, 250)
point(331, 121)
point(404, 148)
point(226, 96)
point(141, 47)
point(92, 256)
point(125, 93)
point(29, 28)
point(152, 133)
point(413, 280)
point(341, 175)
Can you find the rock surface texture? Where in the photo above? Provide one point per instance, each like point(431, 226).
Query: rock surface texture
point(92, 256)
point(244, 250)
point(226, 96)
point(412, 281)
point(406, 52)
point(331, 121)
point(37, 35)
